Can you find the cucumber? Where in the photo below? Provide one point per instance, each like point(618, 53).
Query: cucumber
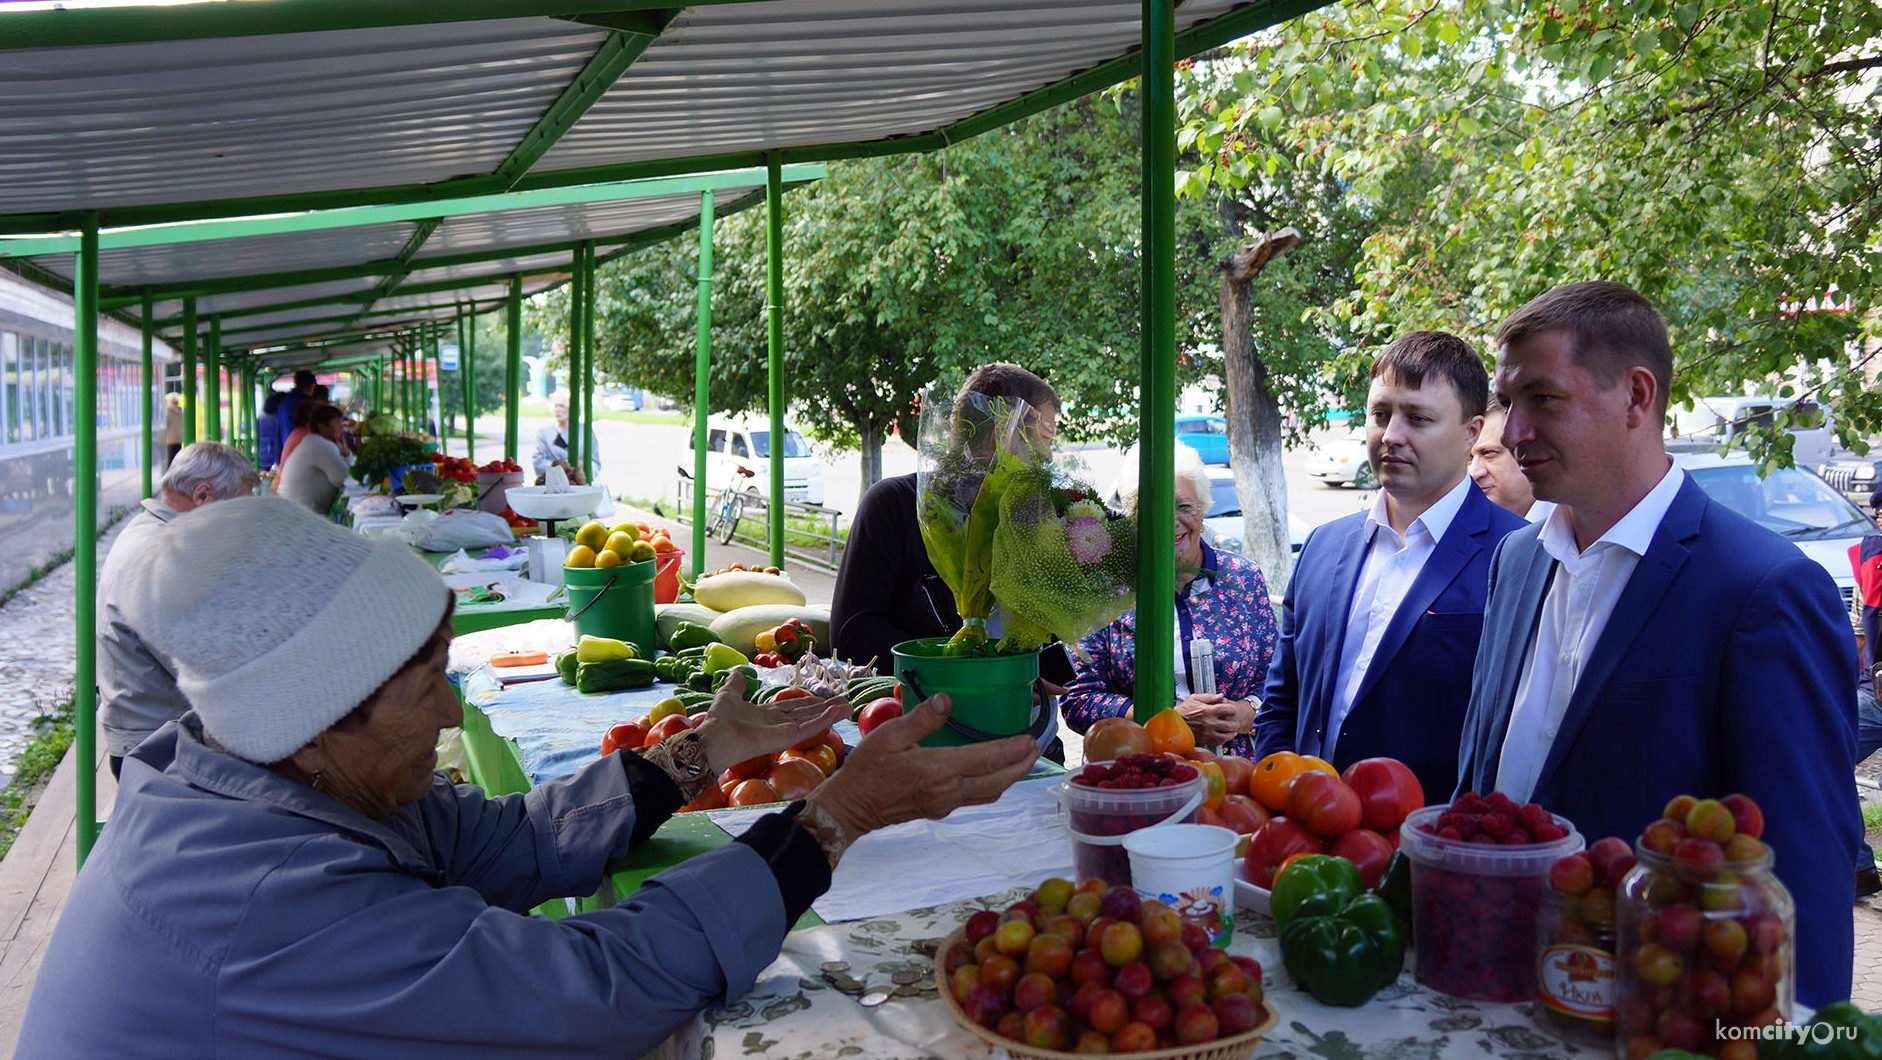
point(694, 702)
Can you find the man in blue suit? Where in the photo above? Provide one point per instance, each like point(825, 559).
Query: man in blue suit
point(1645, 642)
point(1380, 623)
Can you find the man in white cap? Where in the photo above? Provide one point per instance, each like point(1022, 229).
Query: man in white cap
point(137, 690)
point(285, 875)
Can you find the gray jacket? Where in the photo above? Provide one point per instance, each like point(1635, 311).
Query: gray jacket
point(137, 691)
point(230, 912)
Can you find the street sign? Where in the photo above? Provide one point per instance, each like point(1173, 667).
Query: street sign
point(447, 356)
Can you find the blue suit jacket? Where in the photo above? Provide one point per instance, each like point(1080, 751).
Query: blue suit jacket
point(1726, 666)
point(1410, 702)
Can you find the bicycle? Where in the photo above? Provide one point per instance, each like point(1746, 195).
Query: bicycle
point(724, 522)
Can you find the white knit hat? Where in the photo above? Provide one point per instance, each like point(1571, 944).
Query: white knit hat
point(278, 622)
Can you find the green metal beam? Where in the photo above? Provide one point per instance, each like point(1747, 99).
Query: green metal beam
point(147, 418)
point(513, 369)
point(774, 326)
point(314, 215)
point(59, 28)
point(617, 52)
point(189, 371)
point(403, 264)
point(1154, 688)
point(85, 535)
point(702, 364)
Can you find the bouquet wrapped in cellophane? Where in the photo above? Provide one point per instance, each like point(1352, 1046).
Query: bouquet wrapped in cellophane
point(1003, 522)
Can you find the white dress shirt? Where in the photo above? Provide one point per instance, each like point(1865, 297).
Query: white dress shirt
point(1575, 610)
point(1392, 564)
point(1540, 510)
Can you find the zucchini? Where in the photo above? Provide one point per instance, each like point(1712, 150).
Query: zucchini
point(614, 675)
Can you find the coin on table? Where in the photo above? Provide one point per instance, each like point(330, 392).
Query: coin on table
point(926, 947)
point(905, 977)
point(846, 985)
point(833, 967)
point(874, 998)
point(929, 994)
point(907, 990)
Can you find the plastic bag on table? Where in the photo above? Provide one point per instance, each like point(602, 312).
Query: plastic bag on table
point(457, 529)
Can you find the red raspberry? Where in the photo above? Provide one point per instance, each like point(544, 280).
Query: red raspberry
point(1496, 826)
point(1468, 802)
point(1533, 817)
point(1497, 802)
point(1446, 833)
point(1517, 837)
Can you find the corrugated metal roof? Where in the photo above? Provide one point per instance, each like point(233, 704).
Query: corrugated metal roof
point(180, 121)
point(222, 258)
point(513, 228)
point(796, 73)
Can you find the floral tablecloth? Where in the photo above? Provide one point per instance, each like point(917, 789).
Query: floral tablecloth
point(833, 993)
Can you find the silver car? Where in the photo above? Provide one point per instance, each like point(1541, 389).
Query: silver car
point(1342, 461)
point(1222, 526)
point(1796, 504)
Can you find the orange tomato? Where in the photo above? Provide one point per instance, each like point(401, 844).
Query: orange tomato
point(1268, 783)
point(793, 778)
point(817, 755)
point(713, 798)
point(834, 741)
point(756, 766)
point(1320, 763)
point(1200, 754)
point(792, 692)
point(1217, 789)
point(753, 793)
point(1291, 858)
point(1169, 732)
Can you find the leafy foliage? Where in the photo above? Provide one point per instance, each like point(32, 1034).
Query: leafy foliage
point(1723, 159)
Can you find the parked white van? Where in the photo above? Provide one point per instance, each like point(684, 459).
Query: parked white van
point(1721, 420)
point(735, 443)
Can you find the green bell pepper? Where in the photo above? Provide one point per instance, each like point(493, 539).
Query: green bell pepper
point(1841, 1031)
point(690, 635)
point(614, 675)
point(565, 665)
point(1395, 888)
point(1346, 956)
point(667, 668)
point(1314, 886)
point(750, 672)
point(699, 681)
point(697, 652)
point(723, 657)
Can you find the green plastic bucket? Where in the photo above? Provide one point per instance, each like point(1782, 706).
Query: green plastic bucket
point(992, 695)
point(613, 602)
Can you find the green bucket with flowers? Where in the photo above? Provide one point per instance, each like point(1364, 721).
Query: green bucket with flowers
point(992, 694)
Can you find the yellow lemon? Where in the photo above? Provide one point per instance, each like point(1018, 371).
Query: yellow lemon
point(620, 543)
point(580, 556)
point(594, 534)
point(630, 528)
point(666, 708)
point(641, 551)
point(607, 557)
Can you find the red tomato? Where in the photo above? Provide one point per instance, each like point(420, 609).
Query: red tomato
point(1277, 841)
point(671, 725)
point(834, 741)
point(713, 798)
point(1235, 773)
point(1388, 792)
point(1323, 804)
point(1367, 850)
point(877, 712)
point(1242, 814)
point(628, 734)
point(752, 793)
point(792, 693)
point(750, 768)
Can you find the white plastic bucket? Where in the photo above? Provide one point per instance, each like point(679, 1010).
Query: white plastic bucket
point(1191, 869)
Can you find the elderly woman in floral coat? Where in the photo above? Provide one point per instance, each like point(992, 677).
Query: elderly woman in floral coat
point(1220, 597)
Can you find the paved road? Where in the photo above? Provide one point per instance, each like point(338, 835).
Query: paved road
point(639, 460)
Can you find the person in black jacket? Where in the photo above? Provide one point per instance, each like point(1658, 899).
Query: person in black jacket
point(887, 591)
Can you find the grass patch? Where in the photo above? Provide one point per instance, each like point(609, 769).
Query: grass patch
point(1872, 817)
point(52, 735)
point(666, 418)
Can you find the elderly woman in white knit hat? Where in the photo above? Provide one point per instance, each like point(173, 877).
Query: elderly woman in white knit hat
point(285, 875)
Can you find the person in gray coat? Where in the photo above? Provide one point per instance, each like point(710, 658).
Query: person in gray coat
point(286, 874)
point(136, 690)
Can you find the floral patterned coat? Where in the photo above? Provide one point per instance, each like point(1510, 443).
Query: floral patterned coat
point(1233, 612)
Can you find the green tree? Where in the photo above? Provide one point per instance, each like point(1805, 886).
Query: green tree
point(1723, 159)
point(492, 346)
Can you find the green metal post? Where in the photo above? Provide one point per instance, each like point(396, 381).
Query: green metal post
point(85, 532)
point(587, 436)
point(212, 379)
point(702, 363)
point(189, 370)
point(437, 374)
point(1155, 685)
point(148, 420)
point(578, 417)
point(513, 370)
point(467, 369)
point(774, 314)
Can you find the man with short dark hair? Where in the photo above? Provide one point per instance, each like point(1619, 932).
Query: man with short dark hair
point(137, 691)
point(1645, 642)
point(1497, 473)
point(1381, 619)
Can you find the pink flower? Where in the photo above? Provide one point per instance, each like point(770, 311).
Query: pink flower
point(1087, 539)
